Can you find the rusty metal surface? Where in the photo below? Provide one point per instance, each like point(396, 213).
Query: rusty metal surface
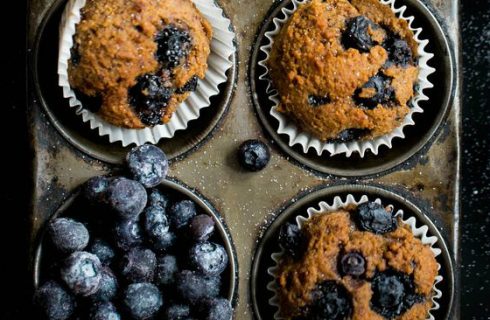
point(247, 201)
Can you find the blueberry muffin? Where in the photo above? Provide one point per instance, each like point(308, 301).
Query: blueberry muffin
point(355, 263)
point(344, 70)
point(134, 61)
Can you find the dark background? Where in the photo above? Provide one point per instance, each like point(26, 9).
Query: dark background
point(17, 158)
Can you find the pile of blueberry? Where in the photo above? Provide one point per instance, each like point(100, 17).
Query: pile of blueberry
point(393, 292)
point(136, 252)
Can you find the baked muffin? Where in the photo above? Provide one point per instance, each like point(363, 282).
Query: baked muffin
point(344, 70)
point(355, 263)
point(134, 61)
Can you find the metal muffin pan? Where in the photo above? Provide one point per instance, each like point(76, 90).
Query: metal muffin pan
point(74, 203)
point(65, 153)
point(427, 124)
point(269, 244)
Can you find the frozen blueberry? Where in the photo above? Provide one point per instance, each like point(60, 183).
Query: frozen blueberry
point(108, 287)
point(94, 190)
point(351, 134)
point(399, 52)
point(388, 294)
point(356, 34)
point(383, 92)
point(191, 85)
point(201, 227)
point(157, 198)
point(81, 272)
point(352, 264)
point(104, 311)
point(149, 98)
point(193, 286)
point(178, 312)
point(292, 240)
point(127, 197)
point(373, 217)
point(181, 213)
point(155, 221)
point(143, 300)
point(316, 101)
point(215, 309)
point(128, 234)
point(173, 45)
point(330, 301)
point(164, 242)
point(254, 155)
point(103, 250)
point(54, 302)
point(208, 257)
point(68, 235)
point(138, 265)
point(148, 165)
point(166, 270)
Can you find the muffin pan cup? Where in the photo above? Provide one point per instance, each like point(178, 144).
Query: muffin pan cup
point(423, 171)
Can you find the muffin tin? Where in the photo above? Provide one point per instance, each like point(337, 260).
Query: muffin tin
point(420, 173)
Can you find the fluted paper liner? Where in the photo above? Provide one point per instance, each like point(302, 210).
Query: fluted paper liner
point(307, 141)
point(222, 48)
point(338, 203)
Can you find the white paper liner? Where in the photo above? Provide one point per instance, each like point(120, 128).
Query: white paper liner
point(338, 203)
point(222, 48)
point(307, 141)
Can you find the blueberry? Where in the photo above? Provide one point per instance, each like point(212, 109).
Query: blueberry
point(351, 134)
point(292, 240)
point(104, 311)
point(138, 265)
point(356, 34)
point(388, 294)
point(128, 234)
point(352, 264)
point(191, 85)
point(373, 217)
point(173, 45)
point(164, 242)
point(108, 287)
point(81, 272)
point(215, 309)
point(166, 270)
point(103, 250)
point(316, 101)
point(127, 197)
point(92, 103)
point(75, 56)
point(254, 155)
point(149, 98)
point(201, 227)
point(208, 257)
point(142, 300)
point(193, 286)
point(181, 213)
point(399, 52)
point(383, 92)
point(156, 222)
point(54, 302)
point(94, 190)
point(330, 301)
point(178, 312)
point(157, 198)
point(148, 165)
point(68, 235)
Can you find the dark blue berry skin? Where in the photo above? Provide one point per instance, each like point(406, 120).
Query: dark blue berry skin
point(373, 217)
point(178, 312)
point(193, 286)
point(108, 287)
point(103, 250)
point(317, 101)
point(352, 264)
point(126, 197)
point(208, 257)
point(384, 92)
point(166, 270)
point(138, 265)
point(94, 190)
point(351, 134)
point(157, 198)
point(201, 227)
point(399, 52)
point(215, 309)
point(254, 155)
point(356, 34)
point(68, 235)
point(104, 311)
point(181, 213)
point(156, 223)
point(82, 272)
point(292, 240)
point(142, 300)
point(330, 301)
point(173, 45)
point(190, 86)
point(54, 302)
point(128, 234)
point(164, 242)
point(147, 164)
